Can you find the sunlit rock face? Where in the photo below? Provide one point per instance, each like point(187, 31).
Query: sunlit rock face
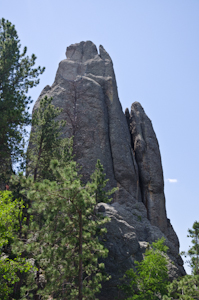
point(85, 88)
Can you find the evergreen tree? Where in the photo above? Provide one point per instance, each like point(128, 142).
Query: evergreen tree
point(150, 280)
point(193, 252)
point(64, 242)
point(17, 75)
point(184, 288)
point(99, 177)
point(46, 141)
point(63, 234)
point(45, 144)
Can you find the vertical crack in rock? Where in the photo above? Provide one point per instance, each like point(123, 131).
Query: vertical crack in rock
point(85, 87)
point(148, 159)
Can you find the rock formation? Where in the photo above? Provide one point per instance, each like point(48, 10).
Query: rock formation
point(126, 144)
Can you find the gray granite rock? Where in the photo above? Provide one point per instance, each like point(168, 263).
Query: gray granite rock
point(148, 158)
point(85, 87)
point(129, 233)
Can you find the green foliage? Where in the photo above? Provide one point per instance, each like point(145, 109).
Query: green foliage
point(17, 75)
point(63, 237)
point(99, 178)
point(194, 250)
point(10, 220)
point(185, 288)
point(10, 212)
point(46, 142)
point(151, 277)
point(9, 271)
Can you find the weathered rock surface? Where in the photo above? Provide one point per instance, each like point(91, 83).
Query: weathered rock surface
point(85, 87)
point(128, 235)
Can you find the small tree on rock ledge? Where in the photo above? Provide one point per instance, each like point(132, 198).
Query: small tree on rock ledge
point(150, 280)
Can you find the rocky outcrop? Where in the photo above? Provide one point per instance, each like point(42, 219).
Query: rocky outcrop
point(128, 235)
point(85, 87)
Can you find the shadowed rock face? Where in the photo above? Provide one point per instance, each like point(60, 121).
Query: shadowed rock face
point(85, 87)
point(147, 154)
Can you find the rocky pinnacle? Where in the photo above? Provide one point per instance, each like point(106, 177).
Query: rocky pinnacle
point(85, 88)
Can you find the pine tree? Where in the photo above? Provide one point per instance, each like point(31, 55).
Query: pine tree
point(64, 230)
point(45, 144)
point(193, 252)
point(99, 177)
point(187, 287)
point(184, 288)
point(17, 75)
point(65, 241)
point(46, 141)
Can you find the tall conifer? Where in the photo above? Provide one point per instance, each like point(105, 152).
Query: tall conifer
point(63, 235)
point(17, 75)
point(65, 240)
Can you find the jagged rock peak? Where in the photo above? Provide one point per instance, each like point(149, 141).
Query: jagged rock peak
point(83, 60)
point(103, 53)
point(83, 51)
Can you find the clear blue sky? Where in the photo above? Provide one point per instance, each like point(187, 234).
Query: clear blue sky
point(154, 46)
